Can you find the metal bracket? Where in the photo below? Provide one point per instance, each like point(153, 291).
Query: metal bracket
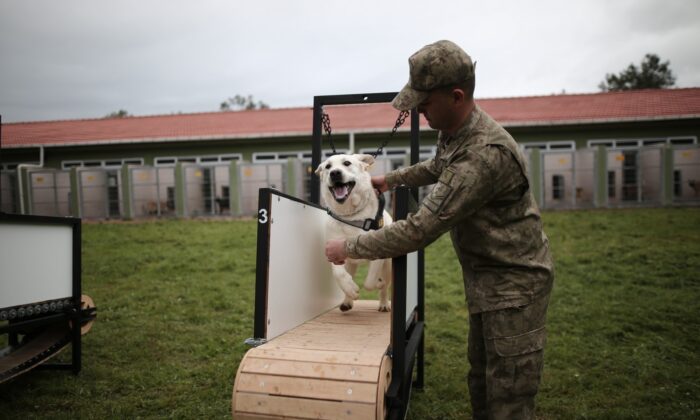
point(255, 342)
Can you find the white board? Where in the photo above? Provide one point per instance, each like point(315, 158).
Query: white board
point(36, 263)
point(300, 283)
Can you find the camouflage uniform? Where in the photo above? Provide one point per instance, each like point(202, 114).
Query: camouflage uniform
point(483, 198)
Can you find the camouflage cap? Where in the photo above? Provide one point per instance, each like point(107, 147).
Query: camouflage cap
point(434, 66)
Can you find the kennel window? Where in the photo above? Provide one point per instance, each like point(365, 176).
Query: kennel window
point(683, 140)
point(606, 143)
point(165, 161)
point(228, 158)
point(561, 145)
point(651, 142)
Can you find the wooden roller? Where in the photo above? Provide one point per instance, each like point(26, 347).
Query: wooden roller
point(332, 367)
point(86, 302)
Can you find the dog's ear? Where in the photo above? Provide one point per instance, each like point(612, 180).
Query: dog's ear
point(320, 168)
point(368, 160)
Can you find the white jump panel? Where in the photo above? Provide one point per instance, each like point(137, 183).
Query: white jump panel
point(36, 263)
point(300, 283)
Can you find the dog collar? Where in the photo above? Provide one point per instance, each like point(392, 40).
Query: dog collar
point(366, 224)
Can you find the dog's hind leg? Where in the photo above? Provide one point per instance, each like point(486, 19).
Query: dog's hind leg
point(374, 278)
point(383, 300)
point(384, 287)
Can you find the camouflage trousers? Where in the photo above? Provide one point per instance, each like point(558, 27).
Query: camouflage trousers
point(506, 349)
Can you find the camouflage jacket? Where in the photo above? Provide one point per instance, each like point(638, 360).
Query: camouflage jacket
point(482, 197)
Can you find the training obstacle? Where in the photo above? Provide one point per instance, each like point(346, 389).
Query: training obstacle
point(311, 360)
point(42, 309)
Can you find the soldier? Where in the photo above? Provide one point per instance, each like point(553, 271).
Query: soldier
point(482, 197)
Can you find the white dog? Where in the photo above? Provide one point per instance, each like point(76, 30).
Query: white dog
point(346, 189)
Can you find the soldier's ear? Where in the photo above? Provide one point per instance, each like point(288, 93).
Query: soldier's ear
point(367, 160)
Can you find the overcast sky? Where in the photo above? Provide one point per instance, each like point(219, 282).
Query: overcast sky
point(84, 59)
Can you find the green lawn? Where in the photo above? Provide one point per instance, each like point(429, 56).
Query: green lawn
point(175, 302)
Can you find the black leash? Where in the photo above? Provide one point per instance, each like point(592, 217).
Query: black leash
point(367, 224)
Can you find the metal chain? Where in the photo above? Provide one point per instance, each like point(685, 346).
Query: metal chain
point(326, 122)
point(399, 122)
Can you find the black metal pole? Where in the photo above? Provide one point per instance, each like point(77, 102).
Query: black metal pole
point(397, 389)
point(420, 358)
point(415, 137)
point(415, 158)
point(262, 263)
point(77, 298)
point(316, 151)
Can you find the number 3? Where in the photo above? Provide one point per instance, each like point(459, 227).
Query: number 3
point(263, 216)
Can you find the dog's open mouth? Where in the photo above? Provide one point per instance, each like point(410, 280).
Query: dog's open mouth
point(341, 191)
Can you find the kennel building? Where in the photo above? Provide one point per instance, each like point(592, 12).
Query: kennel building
point(588, 178)
point(561, 134)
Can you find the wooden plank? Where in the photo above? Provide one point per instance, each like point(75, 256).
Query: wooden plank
point(353, 314)
point(365, 330)
point(318, 389)
point(310, 369)
point(331, 343)
point(302, 407)
point(325, 356)
point(347, 336)
point(248, 416)
point(357, 345)
point(378, 327)
point(367, 350)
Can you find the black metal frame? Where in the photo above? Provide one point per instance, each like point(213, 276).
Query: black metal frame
point(73, 312)
point(407, 341)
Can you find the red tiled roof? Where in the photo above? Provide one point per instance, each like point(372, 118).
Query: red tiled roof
point(511, 112)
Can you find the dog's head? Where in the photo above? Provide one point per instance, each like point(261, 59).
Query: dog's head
point(344, 177)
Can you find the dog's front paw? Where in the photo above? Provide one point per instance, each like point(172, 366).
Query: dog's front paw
point(346, 305)
point(384, 307)
point(351, 290)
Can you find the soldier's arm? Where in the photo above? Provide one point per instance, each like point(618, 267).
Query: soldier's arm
point(463, 188)
point(422, 173)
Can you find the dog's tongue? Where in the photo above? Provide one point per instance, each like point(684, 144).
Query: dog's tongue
point(340, 192)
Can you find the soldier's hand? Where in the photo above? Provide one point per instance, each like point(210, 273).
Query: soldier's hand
point(335, 251)
point(379, 182)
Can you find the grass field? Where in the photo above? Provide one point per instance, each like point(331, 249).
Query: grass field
point(175, 302)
